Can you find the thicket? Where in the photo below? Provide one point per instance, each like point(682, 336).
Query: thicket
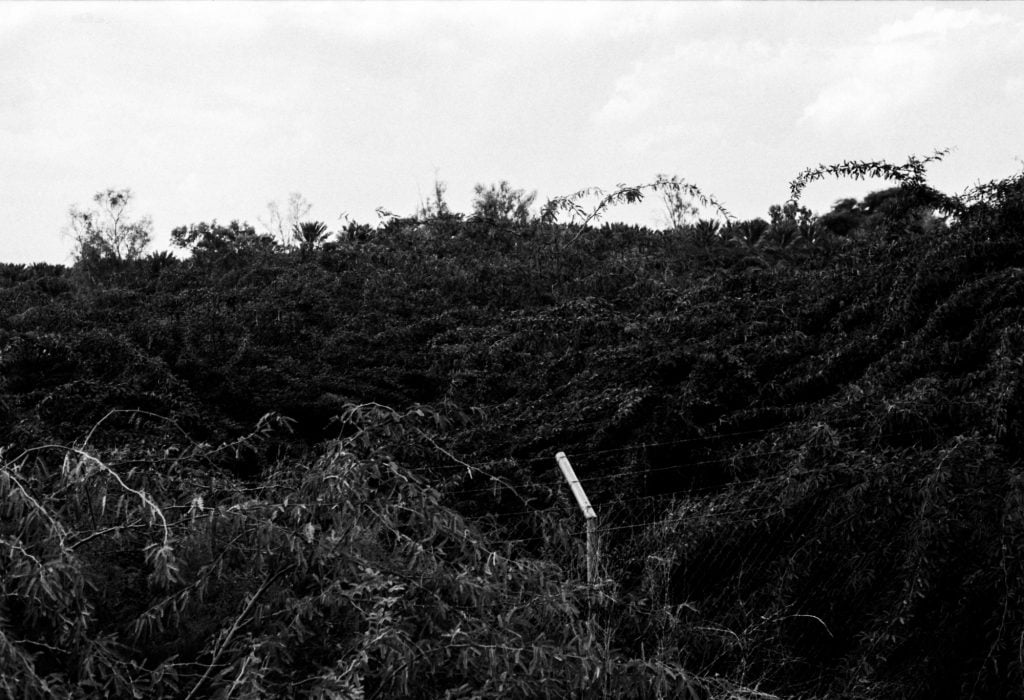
point(802, 437)
point(341, 576)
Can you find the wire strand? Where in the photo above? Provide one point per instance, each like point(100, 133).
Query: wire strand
point(576, 454)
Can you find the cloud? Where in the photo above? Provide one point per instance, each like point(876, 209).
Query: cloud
point(910, 66)
point(878, 82)
point(706, 88)
point(633, 96)
point(935, 23)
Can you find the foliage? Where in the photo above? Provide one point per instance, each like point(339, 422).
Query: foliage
point(501, 203)
point(106, 231)
point(344, 576)
point(672, 188)
point(436, 208)
point(801, 438)
point(212, 240)
point(310, 234)
point(679, 207)
point(876, 212)
point(790, 223)
point(279, 224)
point(910, 174)
point(750, 233)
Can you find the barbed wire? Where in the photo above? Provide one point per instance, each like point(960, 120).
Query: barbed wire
point(846, 442)
point(636, 507)
point(666, 495)
point(479, 466)
point(604, 424)
point(634, 447)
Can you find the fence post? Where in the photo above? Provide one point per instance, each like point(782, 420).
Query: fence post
point(588, 513)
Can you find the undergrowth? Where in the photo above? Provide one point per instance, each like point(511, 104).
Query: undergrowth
point(338, 576)
point(802, 439)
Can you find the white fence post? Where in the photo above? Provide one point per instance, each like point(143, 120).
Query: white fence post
point(588, 513)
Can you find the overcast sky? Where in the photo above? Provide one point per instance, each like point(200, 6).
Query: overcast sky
point(211, 110)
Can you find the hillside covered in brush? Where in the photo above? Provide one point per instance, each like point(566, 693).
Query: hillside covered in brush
point(328, 468)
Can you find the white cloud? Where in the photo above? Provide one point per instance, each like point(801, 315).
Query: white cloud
point(856, 99)
point(911, 66)
point(634, 94)
point(935, 23)
point(878, 81)
point(706, 87)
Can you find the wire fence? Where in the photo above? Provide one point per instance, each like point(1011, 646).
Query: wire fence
point(744, 551)
point(724, 527)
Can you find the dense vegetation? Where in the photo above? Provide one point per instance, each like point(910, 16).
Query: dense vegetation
point(327, 469)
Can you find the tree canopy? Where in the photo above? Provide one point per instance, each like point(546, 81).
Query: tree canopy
point(502, 203)
point(107, 231)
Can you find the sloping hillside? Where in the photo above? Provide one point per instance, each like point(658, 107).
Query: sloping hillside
point(803, 445)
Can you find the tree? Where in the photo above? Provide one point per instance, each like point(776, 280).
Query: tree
point(160, 260)
point(679, 207)
point(436, 208)
point(212, 239)
point(846, 216)
point(281, 224)
point(501, 203)
point(107, 231)
point(310, 234)
point(750, 232)
point(789, 222)
point(879, 210)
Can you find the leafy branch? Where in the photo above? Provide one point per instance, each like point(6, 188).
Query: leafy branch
point(623, 194)
point(910, 174)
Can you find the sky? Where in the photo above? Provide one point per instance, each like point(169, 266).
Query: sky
point(211, 110)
